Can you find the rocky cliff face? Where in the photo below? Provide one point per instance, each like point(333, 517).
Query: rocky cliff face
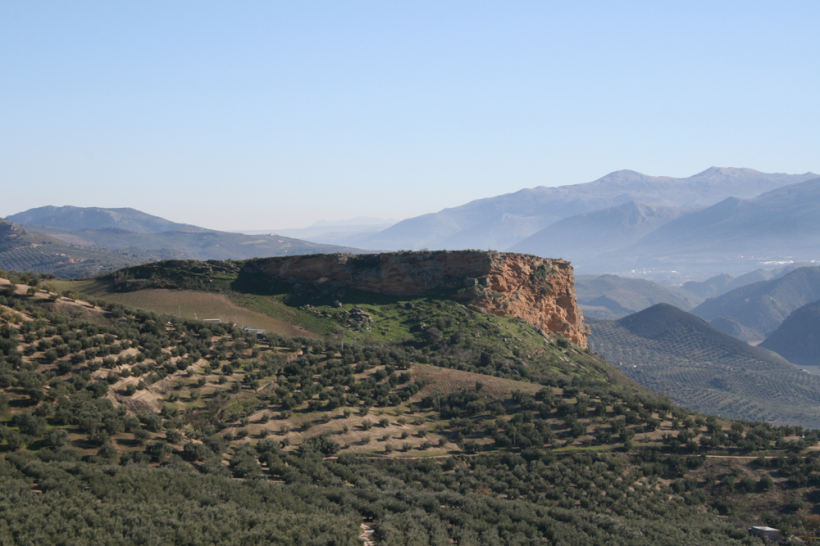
point(540, 291)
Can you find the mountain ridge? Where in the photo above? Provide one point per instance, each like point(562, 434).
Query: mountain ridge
point(502, 221)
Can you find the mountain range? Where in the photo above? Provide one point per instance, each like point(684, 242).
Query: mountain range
point(74, 242)
point(763, 306)
point(503, 221)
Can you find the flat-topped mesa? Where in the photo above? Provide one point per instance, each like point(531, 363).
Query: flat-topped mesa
point(540, 291)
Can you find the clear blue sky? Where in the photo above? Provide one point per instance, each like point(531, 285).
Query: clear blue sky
point(256, 115)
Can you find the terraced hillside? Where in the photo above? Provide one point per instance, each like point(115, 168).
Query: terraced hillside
point(123, 426)
point(22, 250)
point(673, 352)
point(131, 231)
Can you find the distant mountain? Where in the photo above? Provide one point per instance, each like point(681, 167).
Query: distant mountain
point(77, 218)
point(501, 222)
point(611, 297)
point(349, 235)
point(783, 222)
point(22, 250)
point(721, 284)
point(674, 352)
point(764, 305)
point(579, 238)
point(798, 338)
point(154, 235)
point(351, 222)
point(193, 242)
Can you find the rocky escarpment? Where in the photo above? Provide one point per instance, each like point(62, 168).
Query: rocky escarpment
point(540, 291)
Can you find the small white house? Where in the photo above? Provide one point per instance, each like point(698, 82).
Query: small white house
point(766, 533)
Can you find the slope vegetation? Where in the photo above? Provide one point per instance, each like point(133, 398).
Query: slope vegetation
point(23, 250)
point(676, 353)
point(145, 428)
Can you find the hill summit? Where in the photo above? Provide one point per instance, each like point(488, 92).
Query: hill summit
point(540, 291)
point(75, 218)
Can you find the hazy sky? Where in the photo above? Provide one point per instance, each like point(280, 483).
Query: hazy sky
point(257, 115)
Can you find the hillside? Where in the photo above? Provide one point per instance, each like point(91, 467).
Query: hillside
point(149, 237)
point(79, 218)
point(579, 238)
point(735, 329)
point(501, 222)
point(797, 339)
point(764, 305)
point(674, 352)
point(420, 438)
point(611, 297)
point(192, 242)
point(780, 224)
point(23, 250)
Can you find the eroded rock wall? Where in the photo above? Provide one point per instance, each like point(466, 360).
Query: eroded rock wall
point(540, 291)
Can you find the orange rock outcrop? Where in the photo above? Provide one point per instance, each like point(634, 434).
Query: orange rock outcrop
point(540, 291)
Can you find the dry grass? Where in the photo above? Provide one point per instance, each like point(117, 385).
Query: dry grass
point(202, 305)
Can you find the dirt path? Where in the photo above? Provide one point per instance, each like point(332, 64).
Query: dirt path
point(367, 532)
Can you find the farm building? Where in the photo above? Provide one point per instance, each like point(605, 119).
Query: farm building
point(767, 533)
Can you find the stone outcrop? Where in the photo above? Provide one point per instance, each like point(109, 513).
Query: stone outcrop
point(540, 291)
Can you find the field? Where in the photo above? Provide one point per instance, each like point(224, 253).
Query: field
point(191, 305)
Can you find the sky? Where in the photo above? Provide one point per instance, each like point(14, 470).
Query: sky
point(263, 115)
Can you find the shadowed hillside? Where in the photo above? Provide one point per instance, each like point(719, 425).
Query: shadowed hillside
point(671, 351)
point(798, 338)
point(502, 221)
point(579, 238)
